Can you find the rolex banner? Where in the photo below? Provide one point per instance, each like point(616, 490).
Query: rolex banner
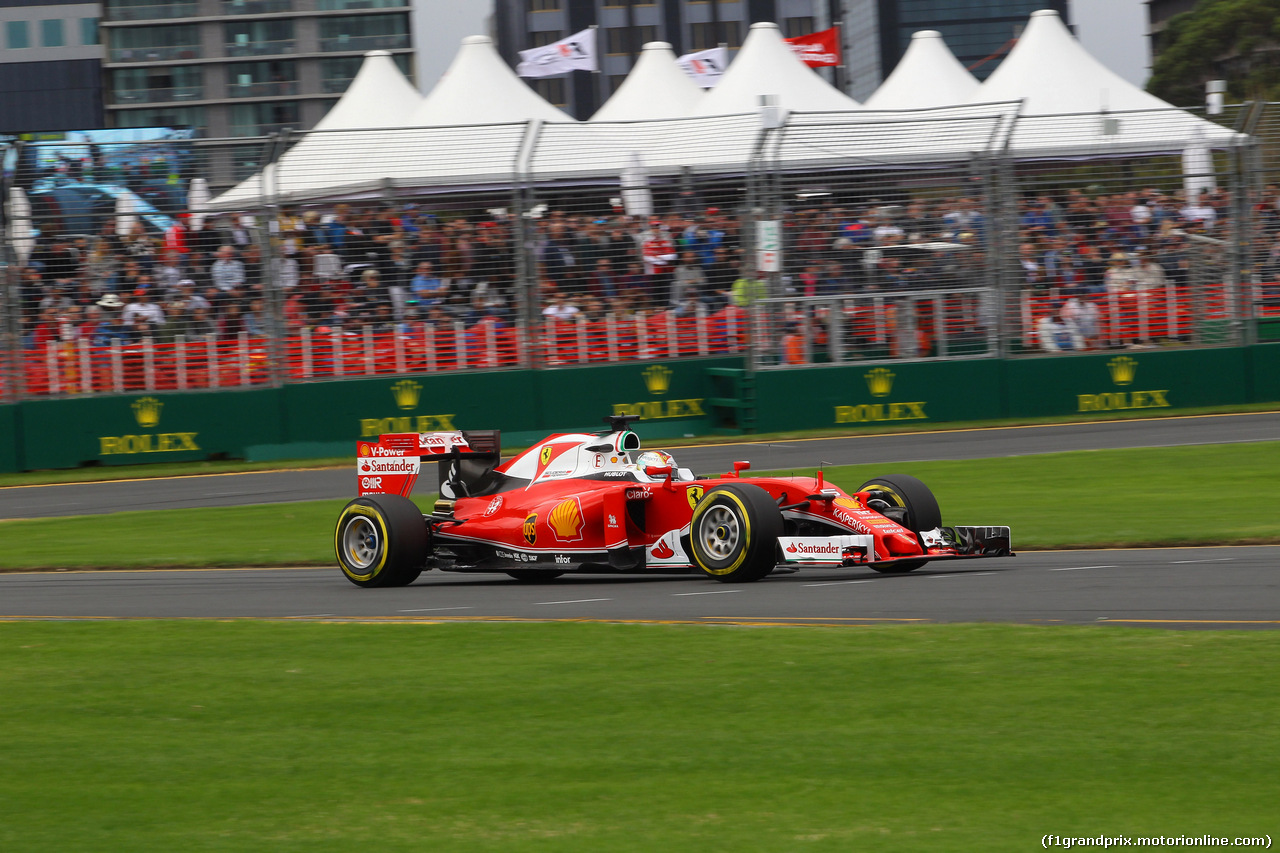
point(575, 53)
point(706, 67)
point(817, 49)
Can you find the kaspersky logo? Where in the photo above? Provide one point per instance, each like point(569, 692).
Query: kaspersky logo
point(146, 411)
point(407, 393)
point(657, 378)
point(880, 381)
point(1123, 370)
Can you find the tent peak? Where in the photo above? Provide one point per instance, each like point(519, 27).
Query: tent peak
point(764, 25)
point(1045, 13)
point(926, 34)
point(477, 40)
point(657, 45)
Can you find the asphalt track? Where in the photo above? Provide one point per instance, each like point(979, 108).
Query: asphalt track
point(284, 486)
point(1189, 588)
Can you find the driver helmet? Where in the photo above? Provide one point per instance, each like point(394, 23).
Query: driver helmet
point(655, 459)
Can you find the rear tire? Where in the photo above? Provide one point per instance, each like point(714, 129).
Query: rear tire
point(921, 511)
point(381, 541)
point(734, 533)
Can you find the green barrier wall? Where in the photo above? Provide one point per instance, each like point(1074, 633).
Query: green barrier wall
point(141, 428)
point(9, 439)
point(1266, 373)
point(1138, 382)
point(895, 394)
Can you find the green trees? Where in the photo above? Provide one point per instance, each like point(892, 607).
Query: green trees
point(1233, 40)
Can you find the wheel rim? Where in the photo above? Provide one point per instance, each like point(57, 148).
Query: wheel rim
point(720, 532)
point(361, 543)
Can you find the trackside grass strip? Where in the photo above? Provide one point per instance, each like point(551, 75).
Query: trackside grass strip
point(1200, 495)
point(163, 736)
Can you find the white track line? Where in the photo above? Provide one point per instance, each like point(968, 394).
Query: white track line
point(714, 592)
point(835, 583)
point(432, 609)
point(575, 601)
point(1184, 562)
point(1080, 568)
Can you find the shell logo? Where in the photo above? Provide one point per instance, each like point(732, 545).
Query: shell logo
point(848, 503)
point(364, 450)
point(566, 520)
point(531, 528)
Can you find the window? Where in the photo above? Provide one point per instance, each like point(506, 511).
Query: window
point(17, 35)
point(552, 89)
point(368, 32)
point(255, 7)
point(644, 35)
point(162, 117)
point(544, 5)
point(541, 39)
point(731, 31)
point(89, 31)
point(259, 38)
point(151, 44)
point(793, 27)
point(262, 79)
point(341, 5)
point(159, 84)
point(616, 40)
point(263, 119)
point(51, 33)
point(704, 36)
point(142, 10)
point(336, 74)
point(616, 81)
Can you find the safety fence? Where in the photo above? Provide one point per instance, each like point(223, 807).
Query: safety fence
point(798, 239)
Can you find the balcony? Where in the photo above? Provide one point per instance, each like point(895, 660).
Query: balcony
point(158, 11)
point(363, 43)
point(261, 48)
point(255, 7)
point(130, 97)
point(242, 130)
point(262, 90)
point(158, 53)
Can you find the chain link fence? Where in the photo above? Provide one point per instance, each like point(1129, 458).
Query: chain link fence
point(800, 239)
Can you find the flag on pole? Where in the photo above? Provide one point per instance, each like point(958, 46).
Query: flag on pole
point(575, 53)
point(817, 49)
point(706, 67)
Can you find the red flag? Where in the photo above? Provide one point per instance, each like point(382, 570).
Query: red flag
point(817, 49)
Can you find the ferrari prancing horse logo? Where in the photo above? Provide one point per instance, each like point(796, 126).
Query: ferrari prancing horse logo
point(546, 455)
point(694, 494)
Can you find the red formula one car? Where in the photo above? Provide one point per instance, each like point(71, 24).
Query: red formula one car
point(595, 503)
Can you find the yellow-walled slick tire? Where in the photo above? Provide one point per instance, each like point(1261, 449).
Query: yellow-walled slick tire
point(734, 533)
point(381, 540)
point(921, 511)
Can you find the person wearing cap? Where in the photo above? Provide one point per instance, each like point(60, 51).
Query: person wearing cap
point(1119, 277)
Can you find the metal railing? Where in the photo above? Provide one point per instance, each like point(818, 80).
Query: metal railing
point(825, 239)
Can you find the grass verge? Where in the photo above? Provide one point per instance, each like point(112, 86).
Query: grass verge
point(164, 736)
point(1203, 495)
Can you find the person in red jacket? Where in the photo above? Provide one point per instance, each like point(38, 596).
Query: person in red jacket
point(659, 255)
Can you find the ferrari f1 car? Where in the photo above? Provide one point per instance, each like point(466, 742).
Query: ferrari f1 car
point(595, 503)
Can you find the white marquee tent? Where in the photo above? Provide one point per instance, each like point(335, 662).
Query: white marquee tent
point(1074, 106)
point(766, 66)
point(656, 88)
point(928, 75)
point(479, 88)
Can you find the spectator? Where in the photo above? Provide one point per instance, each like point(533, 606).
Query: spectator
point(227, 273)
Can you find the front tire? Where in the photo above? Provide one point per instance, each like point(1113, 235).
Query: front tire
point(381, 540)
point(734, 533)
point(912, 505)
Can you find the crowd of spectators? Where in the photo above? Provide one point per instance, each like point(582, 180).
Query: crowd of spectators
point(350, 267)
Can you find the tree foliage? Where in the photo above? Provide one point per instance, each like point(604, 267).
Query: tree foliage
point(1233, 40)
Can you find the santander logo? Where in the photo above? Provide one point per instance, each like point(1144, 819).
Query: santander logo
point(791, 549)
point(398, 465)
point(663, 551)
point(814, 549)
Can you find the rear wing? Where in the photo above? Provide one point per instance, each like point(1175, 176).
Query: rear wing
point(390, 465)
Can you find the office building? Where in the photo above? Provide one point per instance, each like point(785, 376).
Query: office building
point(50, 56)
point(241, 68)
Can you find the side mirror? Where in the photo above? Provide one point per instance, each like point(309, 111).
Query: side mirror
point(658, 470)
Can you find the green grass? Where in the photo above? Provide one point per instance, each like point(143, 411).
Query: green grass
point(163, 736)
point(1203, 495)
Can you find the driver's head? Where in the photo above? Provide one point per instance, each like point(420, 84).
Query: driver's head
point(655, 459)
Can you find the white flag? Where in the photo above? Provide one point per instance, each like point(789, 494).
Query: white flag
point(706, 67)
point(575, 53)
